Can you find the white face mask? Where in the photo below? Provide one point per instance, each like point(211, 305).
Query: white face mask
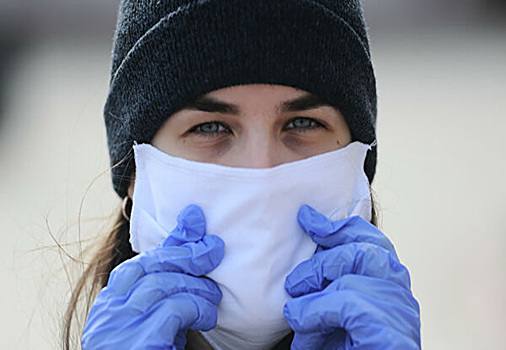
point(254, 211)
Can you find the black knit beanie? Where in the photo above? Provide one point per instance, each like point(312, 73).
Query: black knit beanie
point(168, 52)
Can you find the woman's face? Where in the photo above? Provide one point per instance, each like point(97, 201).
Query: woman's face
point(253, 126)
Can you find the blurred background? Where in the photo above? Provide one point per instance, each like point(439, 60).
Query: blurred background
point(441, 72)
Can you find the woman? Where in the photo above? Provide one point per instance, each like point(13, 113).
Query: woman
point(252, 125)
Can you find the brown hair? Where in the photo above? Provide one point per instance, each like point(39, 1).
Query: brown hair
point(114, 250)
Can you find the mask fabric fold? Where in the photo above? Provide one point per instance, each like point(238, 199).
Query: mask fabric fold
point(254, 211)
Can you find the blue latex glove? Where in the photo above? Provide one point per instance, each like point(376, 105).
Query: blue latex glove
point(354, 293)
point(151, 300)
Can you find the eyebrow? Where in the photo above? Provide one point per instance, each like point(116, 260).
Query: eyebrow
point(303, 103)
point(212, 105)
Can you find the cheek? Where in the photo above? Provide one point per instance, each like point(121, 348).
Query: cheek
point(197, 149)
point(342, 134)
point(165, 143)
point(314, 143)
point(209, 151)
point(165, 138)
point(342, 139)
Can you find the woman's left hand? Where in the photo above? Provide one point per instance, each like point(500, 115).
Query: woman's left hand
point(354, 293)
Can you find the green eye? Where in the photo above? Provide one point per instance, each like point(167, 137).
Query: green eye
point(209, 129)
point(303, 123)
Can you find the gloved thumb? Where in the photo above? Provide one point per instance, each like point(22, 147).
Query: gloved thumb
point(191, 227)
point(316, 224)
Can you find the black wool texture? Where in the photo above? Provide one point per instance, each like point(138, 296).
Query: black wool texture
point(167, 53)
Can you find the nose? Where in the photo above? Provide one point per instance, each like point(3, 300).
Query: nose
point(260, 150)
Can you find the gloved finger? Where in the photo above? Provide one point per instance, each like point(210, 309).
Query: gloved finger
point(194, 258)
point(333, 233)
point(381, 338)
point(355, 303)
point(336, 340)
point(354, 258)
point(166, 325)
point(181, 312)
point(162, 327)
point(384, 292)
point(155, 287)
point(378, 336)
point(180, 340)
point(191, 227)
point(307, 341)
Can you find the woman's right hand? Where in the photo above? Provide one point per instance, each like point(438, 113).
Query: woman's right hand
point(151, 300)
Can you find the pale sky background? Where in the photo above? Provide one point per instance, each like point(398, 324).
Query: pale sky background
point(441, 73)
